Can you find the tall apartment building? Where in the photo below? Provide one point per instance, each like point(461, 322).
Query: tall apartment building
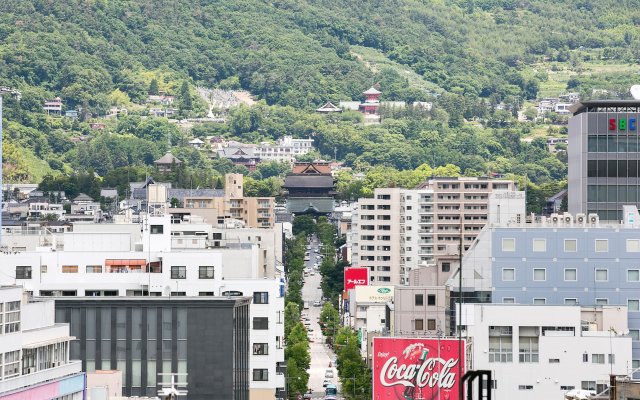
point(285, 149)
point(604, 157)
point(401, 229)
point(34, 351)
point(158, 258)
point(567, 261)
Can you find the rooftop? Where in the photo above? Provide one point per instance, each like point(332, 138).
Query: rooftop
point(605, 106)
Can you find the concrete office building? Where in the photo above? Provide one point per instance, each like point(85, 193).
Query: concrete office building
point(34, 351)
point(560, 262)
point(158, 258)
point(603, 157)
point(206, 338)
point(401, 229)
point(544, 352)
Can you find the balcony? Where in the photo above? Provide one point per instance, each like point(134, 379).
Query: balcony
point(50, 374)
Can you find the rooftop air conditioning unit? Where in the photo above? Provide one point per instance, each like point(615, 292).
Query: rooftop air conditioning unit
point(581, 219)
point(567, 218)
point(555, 219)
point(594, 219)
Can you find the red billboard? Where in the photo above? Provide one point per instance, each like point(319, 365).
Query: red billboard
point(355, 276)
point(416, 368)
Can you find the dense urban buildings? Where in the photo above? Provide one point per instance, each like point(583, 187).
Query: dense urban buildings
point(35, 360)
point(603, 157)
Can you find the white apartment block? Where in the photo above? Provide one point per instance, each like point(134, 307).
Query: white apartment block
point(543, 352)
point(286, 149)
point(158, 258)
point(401, 229)
point(34, 351)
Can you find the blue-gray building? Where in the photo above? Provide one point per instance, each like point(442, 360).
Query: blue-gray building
point(548, 262)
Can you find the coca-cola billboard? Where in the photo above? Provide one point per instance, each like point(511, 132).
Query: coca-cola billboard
point(415, 368)
point(355, 276)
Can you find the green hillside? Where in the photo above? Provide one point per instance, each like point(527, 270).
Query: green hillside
point(464, 55)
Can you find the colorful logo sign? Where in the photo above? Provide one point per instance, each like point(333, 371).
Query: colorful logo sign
point(384, 290)
point(415, 368)
point(622, 124)
point(355, 276)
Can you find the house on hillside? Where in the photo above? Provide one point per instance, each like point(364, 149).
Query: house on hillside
point(53, 106)
point(328, 108)
point(196, 143)
point(167, 162)
point(245, 156)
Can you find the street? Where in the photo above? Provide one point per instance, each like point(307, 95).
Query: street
point(321, 354)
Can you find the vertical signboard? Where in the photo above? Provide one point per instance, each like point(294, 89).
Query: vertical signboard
point(355, 276)
point(416, 368)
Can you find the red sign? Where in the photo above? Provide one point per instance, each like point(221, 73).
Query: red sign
point(416, 368)
point(355, 276)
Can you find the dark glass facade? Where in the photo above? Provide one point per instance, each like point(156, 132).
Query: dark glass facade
point(206, 338)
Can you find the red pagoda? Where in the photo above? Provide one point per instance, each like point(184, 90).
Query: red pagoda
point(370, 107)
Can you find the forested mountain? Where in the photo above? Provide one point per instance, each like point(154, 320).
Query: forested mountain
point(472, 54)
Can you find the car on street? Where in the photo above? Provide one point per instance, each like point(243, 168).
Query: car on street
point(326, 382)
point(328, 374)
point(317, 304)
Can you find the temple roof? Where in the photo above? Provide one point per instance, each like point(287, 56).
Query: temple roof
point(372, 90)
point(329, 107)
point(308, 181)
point(168, 159)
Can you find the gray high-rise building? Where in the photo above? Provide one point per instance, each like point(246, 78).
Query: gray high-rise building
point(205, 337)
point(603, 157)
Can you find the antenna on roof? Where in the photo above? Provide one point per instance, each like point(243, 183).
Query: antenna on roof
point(635, 92)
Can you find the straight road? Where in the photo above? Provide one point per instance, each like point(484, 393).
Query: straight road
point(321, 354)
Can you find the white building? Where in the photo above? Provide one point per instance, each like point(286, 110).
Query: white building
point(285, 149)
point(367, 310)
point(543, 352)
point(158, 258)
point(34, 351)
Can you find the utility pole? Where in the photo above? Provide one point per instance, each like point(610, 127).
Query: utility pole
point(1, 177)
point(460, 300)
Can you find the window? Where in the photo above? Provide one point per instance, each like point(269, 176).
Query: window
point(539, 274)
point(571, 302)
point(570, 274)
point(539, 245)
point(157, 229)
point(554, 361)
point(260, 374)
point(633, 275)
point(539, 302)
point(528, 344)
point(419, 300)
point(260, 323)
point(446, 267)
point(508, 300)
point(69, 269)
point(43, 269)
point(633, 245)
point(23, 272)
point(431, 299)
point(633, 305)
point(508, 274)
point(570, 245)
point(525, 387)
point(500, 344)
point(260, 349)
point(260, 297)
point(567, 387)
point(94, 269)
point(585, 357)
point(419, 324)
point(602, 275)
point(178, 272)
point(205, 272)
point(602, 302)
point(11, 363)
point(508, 244)
point(612, 358)
point(602, 245)
point(588, 385)
point(431, 324)
point(597, 358)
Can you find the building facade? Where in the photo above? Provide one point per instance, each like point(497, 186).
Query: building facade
point(544, 352)
point(285, 149)
point(165, 260)
point(34, 351)
point(205, 338)
point(603, 157)
point(399, 230)
point(310, 189)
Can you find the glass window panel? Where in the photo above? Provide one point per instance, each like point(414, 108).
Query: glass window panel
point(612, 168)
point(570, 245)
point(151, 374)
point(602, 144)
point(91, 365)
point(122, 366)
point(182, 349)
point(508, 274)
point(592, 168)
point(136, 372)
point(121, 350)
point(592, 144)
point(136, 323)
point(602, 245)
point(539, 274)
point(539, 245)
point(91, 323)
point(75, 322)
point(105, 323)
point(570, 302)
point(151, 349)
point(136, 349)
point(622, 193)
point(91, 349)
point(632, 194)
point(602, 169)
point(612, 194)
point(539, 302)
point(166, 323)
point(152, 323)
point(632, 144)
point(508, 244)
point(570, 274)
point(612, 145)
point(633, 305)
point(106, 354)
point(633, 275)
point(622, 168)
point(622, 144)
point(182, 366)
point(166, 349)
point(182, 323)
point(166, 367)
point(602, 275)
point(602, 193)
point(592, 194)
point(121, 323)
